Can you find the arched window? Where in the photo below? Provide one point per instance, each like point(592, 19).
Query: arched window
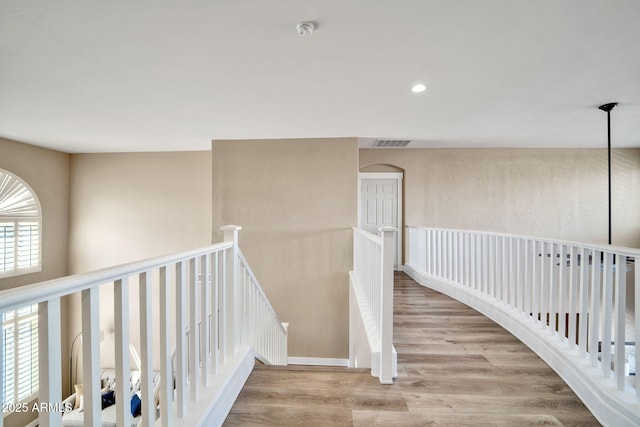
point(20, 227)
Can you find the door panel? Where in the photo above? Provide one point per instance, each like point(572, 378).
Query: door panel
point(379, 205)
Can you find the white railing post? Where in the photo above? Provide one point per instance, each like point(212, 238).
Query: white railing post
point(232, 317)
point(285, 349)
point(50, 360)
point(386, 295)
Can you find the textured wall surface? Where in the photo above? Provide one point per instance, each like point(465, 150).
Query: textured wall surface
point(296, 201)
point(557, 193)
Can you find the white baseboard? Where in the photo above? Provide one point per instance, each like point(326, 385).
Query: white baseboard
point(318, 361)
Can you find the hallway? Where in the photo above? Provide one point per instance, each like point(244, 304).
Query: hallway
point(456, 367)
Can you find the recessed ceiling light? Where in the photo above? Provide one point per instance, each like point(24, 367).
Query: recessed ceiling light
point(418, 88)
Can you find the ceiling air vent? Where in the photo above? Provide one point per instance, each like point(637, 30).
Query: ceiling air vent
point(391, 143)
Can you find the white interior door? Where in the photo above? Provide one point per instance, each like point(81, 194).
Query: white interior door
point(380, 205)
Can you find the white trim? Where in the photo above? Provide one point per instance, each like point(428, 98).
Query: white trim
point(214, 403)
point(399, 176)
point(318, 361)
point(381, 175)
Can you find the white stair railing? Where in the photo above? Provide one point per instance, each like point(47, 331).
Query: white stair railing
point(565, 300)
point(261, 329)
point(371, 302)
point(216, 294)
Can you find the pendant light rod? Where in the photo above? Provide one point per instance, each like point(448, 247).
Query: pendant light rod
point(607, 108)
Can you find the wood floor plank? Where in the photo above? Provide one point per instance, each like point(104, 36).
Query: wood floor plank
point(383, 418)
point(456, 367)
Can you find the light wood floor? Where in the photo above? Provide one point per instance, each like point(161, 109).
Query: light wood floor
point(456, 367)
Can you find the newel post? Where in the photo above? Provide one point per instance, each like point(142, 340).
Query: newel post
point(386, 306)
point(232, 319)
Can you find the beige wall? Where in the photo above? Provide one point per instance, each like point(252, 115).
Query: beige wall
point(558, 193)
point(132, 206)
point(296, 201)
point(47, 173)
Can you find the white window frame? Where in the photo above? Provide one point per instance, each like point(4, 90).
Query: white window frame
point(17, 220)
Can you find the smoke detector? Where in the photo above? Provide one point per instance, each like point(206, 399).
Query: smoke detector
point(305, 28)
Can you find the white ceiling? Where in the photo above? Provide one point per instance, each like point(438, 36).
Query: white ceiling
point(96, 76)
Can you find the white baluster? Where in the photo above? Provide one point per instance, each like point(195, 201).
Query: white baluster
point(194, 331)
point(467, 259)
point(449, 255)
point(181, 344)
point(494, 278)
point(573, 296)
point(252, 311)
point(584, 301)
point(553, 290)
point(620, 307)
point(544, 290)
point(636, 267)
point(519, 280)
point(607, 284)
point(205, 311)
point(485, 264)
point(526, 271)
point(594, 321)
point(146, 350)
point(475, 259)
point(506, 263)
point(50, 360)
point(565, 265)
point(215, 292)
point(424, 245)
point(513, 301)
point(245, 309)
point(91, 355)
point(121, 331)
point(166, 376)
point(455, 256)
point(535, 282)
